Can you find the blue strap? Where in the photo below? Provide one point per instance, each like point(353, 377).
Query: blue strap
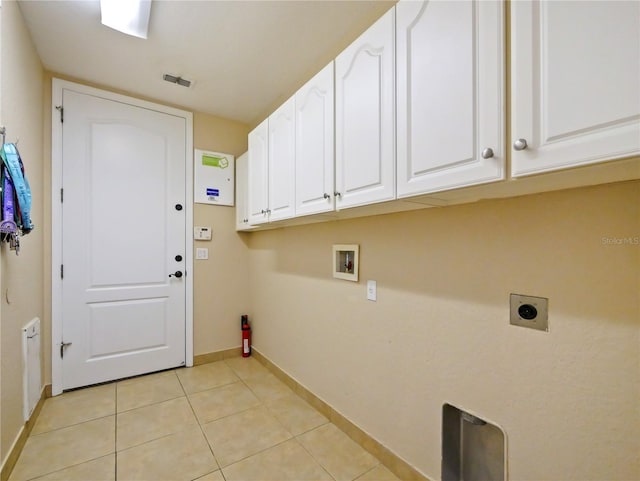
point(7, 224)
point(13, 164)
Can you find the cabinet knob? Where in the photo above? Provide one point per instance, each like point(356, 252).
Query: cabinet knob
point(520, 144)
point(487, 153)
point(326, 196)
point(337, 194)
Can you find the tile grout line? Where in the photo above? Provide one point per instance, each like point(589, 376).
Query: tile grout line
point(66, 467)
point(293, 437)
point(369, 470)
point(150, 403)
point(73, 425)
point(262, 405)
point(193, 411)
point(314, 458)
point(150, 440)
point(69, 426)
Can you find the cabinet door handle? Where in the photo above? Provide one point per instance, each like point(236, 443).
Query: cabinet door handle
point(326, 196)
point(487, 153)
point(520, 144)
point(337, 194)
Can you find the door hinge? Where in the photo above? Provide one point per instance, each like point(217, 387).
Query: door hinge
point(63, 346)
point(60, 109)
point(61, 195)
point(61, 271)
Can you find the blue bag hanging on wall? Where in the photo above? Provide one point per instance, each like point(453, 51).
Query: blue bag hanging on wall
point(16, 193)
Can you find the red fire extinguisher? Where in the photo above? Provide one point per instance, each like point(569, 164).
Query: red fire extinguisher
point(246, 336)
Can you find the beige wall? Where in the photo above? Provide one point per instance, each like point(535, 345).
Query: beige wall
point(439, 332)
point(221, 291)
point(22, 276)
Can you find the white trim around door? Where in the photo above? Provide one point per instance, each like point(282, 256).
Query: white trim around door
point(58, 86)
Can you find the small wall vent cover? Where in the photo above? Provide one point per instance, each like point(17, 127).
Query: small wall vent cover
point(176, 80)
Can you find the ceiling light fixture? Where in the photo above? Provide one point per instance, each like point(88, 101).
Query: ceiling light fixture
point(176, 80)
point(127, 16)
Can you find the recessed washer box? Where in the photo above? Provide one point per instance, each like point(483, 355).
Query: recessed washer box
point(529, 311)
point(345, 261)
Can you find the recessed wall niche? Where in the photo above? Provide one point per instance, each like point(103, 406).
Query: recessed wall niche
point(345, 261)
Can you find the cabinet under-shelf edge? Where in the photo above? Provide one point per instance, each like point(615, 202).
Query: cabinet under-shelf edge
point(591, 175)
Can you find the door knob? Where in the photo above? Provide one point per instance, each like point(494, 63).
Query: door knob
point(487, 153)
point(178, 258)
point(177, 274)
point(520, 144)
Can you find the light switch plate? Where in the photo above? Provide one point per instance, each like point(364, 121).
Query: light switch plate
point(372, 290)
point(202, 253)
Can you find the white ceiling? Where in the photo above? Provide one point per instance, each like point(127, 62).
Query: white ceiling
point(243, 57)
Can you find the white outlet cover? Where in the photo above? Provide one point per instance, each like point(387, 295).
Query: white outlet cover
point(202, 253)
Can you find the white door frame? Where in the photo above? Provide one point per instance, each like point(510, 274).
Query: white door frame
point(56, 217)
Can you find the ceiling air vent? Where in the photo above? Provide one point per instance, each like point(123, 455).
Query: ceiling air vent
point(177, 80)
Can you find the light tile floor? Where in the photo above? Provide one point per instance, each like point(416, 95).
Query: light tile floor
point(226, 421)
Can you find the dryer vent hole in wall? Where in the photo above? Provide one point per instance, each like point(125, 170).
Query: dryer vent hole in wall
point(472, 448)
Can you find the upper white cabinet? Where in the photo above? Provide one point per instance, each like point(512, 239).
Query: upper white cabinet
point(242, 192)
point(271, 167)
point(282, 151)
point(258, 181)
point(314, 172)
point(575, 83)
point(450, 91)
point(365, 117)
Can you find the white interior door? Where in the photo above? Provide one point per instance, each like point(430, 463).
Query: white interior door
point(123, 242)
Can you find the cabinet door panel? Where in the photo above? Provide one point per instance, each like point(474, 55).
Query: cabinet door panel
point(450, 94)
point(575, 74)
point(242, 192)
point(315, 145)
point(258, 169)
point(281, 161)
point(365, 117)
